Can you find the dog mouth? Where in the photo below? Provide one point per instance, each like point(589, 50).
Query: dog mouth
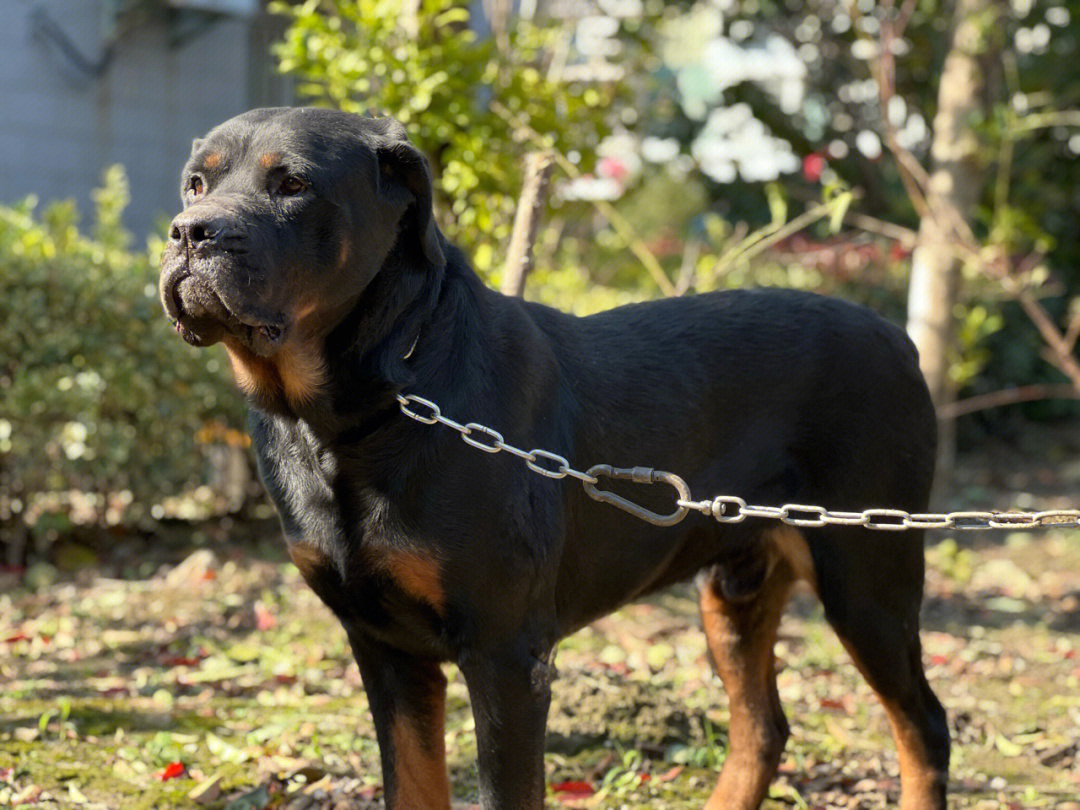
point(202, 316)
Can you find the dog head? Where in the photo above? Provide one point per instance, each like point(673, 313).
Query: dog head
point(289, 213)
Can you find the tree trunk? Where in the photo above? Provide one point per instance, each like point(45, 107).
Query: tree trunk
point(956, 183)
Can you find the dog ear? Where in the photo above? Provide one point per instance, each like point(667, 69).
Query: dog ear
point(195, 144)
point(404, 177)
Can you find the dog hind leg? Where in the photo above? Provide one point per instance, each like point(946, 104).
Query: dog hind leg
point(871, 598)
point(741, 633)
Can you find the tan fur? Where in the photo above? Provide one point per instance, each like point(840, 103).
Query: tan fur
point(419, 772)
point(788, 544)
point(213, 160)
point(297, 370)
point(269, 159)
point(256, 376)
point(302, 371)
point(308, 559)
point(741, 636)
point(418, 575)
point(918, 777)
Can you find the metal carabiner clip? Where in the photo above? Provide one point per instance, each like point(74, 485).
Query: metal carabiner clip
point(639, 475)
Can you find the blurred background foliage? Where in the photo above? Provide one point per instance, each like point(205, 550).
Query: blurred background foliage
point(707, 128)
point(104, 409)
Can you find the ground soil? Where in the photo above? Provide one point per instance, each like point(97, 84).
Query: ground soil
point(139, 677)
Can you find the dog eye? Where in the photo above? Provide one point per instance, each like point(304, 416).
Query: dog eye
point(291, 185)
point(195, 185)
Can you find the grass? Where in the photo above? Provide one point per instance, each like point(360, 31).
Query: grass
point(235, 670)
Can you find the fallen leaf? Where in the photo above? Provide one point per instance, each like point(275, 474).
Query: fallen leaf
point(208, 792)
point(670, 774)
point(264, 619)
point(28, 795)
point(572, 790)
point(75, 795)
point(257, 799)
point(171, 771)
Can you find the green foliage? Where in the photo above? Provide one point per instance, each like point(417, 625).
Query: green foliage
point(453, 90)
point(96, 392)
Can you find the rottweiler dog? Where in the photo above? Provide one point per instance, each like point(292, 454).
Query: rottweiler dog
point(308, 248)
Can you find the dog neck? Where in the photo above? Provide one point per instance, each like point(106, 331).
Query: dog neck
point(378, 348)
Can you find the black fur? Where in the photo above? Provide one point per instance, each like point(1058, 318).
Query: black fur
point(774, 396)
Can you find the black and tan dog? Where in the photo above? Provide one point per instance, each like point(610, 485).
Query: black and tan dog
point(307, 246)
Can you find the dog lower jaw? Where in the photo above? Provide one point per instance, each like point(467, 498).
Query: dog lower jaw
point(203, 317)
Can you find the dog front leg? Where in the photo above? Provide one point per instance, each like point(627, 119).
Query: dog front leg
point(407, 695)
point(510, 690)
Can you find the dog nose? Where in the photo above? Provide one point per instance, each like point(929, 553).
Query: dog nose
point(201, 229)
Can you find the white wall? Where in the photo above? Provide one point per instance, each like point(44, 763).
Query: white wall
point(59, 126)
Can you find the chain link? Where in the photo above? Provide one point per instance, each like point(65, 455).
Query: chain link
point(728, 508)
point(544, 462)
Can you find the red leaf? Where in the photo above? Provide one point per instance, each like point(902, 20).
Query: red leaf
point(899, 251)
point(171, 771)
point(17, 637)
point(939, 660)
point(573, 789)
point(669, 775)
point(830, 703)
point(264, 619)
point(179, 661)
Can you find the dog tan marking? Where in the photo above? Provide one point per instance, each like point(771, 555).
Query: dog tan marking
point(741, 636)
point(308, 559)
point(268, 159)
point(213, 160)
point(420, 780)
point(789, 545)
point(297, 371)
point(256, 376)
point(418, 575)
point(920, 781)
point(302, 370)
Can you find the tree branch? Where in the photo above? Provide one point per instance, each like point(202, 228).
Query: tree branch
point(534, 192)
point(1008, 396)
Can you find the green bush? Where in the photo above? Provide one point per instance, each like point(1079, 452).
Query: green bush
point(461, 97)
point(97, 395)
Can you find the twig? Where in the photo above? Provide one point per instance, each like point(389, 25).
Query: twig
point(621, 225)
point(1072, 331)
point(1065, 118)
point(688, 269)
point(534, 189)
point(906, 236)
point(1008, 396)
point(766, 237)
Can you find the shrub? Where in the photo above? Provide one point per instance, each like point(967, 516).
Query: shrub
point(97, 395)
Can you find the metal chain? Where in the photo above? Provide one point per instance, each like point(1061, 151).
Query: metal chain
point(493, 441)
point(728, 508)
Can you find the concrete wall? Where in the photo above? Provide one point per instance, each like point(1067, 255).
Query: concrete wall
point(60, 125)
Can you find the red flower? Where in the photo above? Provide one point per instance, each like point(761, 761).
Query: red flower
point(812, 166)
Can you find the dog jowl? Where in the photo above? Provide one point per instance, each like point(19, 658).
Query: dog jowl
point(307, 247)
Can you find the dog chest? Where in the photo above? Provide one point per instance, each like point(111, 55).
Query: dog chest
point(346, 541)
